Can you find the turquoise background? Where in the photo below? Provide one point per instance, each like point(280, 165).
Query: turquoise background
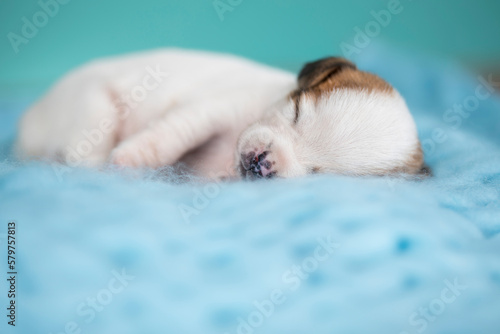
point(399, 239)
point(280, 32)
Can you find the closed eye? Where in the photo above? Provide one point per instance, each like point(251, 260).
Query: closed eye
point(296, 103)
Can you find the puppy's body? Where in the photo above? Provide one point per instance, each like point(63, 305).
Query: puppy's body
point(158, 108)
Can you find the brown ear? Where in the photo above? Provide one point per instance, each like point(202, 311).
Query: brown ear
point(318, 71)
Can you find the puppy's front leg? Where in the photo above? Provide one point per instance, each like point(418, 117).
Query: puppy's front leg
point(169, 138)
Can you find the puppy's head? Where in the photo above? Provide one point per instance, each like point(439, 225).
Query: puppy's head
point(339, 120)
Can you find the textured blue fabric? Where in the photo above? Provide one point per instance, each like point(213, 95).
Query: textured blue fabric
point(322, 254)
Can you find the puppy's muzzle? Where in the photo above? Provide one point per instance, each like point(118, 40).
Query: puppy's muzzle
point(256, 166)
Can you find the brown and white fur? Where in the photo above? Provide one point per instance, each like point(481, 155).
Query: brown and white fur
point(221, 113)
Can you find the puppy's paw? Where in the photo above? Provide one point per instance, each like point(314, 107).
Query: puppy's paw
point(121, 157)
point(256, 164)
point(131, 156)
point(263, 154)
point(255, 154)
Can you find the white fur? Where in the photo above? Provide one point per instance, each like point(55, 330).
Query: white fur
point(349, 131)
point(195, 107)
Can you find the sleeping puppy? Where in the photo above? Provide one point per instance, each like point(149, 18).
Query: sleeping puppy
point(219, 113)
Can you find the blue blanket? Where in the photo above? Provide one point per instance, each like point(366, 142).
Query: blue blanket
point(108, 252)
